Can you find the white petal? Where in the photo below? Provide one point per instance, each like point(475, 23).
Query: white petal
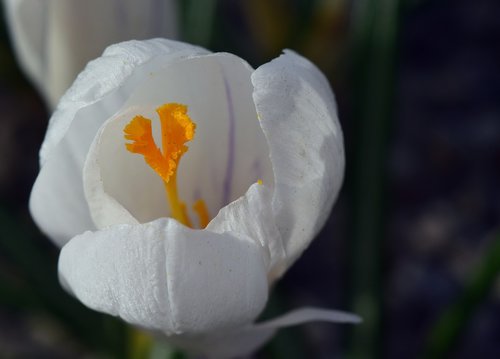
point(57, 201)
point(299, 118)
point(107, 82)
point(304, 315)
point(235, 343)
point(164, 276)
point(240, 342)
point(251, 215)
point(54, 39)
point(227, 154)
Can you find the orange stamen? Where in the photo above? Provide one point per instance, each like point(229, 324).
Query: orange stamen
point(201, 210)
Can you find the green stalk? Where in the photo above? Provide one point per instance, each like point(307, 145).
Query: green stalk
point(374, 53)
point(198, 21)
point(449, 327)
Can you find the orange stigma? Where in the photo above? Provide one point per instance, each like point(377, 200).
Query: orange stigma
point(177, 129)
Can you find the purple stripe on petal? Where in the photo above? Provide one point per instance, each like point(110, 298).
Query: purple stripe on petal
point(228, 179)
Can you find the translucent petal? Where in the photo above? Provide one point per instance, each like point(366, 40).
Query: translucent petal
point(299, 119)
point(54, 39)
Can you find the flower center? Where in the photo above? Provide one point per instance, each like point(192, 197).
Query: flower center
point(176, 130)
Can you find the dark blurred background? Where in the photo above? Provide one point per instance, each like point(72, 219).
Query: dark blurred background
point(413, 243)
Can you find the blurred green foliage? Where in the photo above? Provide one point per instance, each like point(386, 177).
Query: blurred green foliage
point(374, 30)
point(453, 321)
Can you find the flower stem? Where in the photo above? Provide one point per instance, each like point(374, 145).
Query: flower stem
point(373, 53)
point(140, 344)
point(198, 21)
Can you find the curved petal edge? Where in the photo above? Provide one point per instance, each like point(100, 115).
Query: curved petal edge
point(298, 115)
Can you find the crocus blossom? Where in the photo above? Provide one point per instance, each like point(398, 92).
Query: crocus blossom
point(54, 39)
point(261, 151)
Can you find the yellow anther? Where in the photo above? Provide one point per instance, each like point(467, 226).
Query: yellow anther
point(259, 181)
point(201, 210)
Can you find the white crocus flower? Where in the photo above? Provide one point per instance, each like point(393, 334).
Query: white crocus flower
point(54, 39)
point(265, 158)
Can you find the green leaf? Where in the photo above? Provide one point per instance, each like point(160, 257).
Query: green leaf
point(454, 320)
point(373, 54)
